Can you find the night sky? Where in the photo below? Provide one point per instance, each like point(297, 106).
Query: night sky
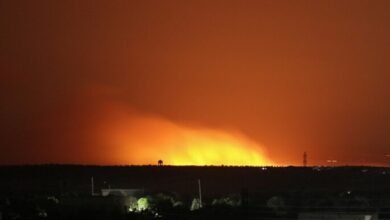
point(195, 82)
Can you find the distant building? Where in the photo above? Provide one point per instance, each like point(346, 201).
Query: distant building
point(123, 192)
point(337, 216)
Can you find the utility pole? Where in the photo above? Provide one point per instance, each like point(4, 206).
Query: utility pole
point(200, 193)
point(304, 159)
point(92, 187)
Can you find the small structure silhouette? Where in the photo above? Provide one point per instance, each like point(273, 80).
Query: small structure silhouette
point(305, 159)
point(160, 162)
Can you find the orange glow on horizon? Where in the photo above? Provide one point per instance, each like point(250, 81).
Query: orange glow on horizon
point(141, 140)
point(210, 147)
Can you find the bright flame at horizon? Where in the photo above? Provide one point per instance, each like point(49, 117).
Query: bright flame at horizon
point(145, 140)
point(211, 147)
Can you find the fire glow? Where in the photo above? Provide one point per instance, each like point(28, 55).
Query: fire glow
point(142, 140)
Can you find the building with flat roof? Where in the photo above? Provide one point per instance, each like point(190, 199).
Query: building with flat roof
point(123, 192)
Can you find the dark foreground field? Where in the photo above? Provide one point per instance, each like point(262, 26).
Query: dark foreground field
point(64, 192)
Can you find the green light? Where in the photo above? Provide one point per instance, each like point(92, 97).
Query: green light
point(143, 204)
